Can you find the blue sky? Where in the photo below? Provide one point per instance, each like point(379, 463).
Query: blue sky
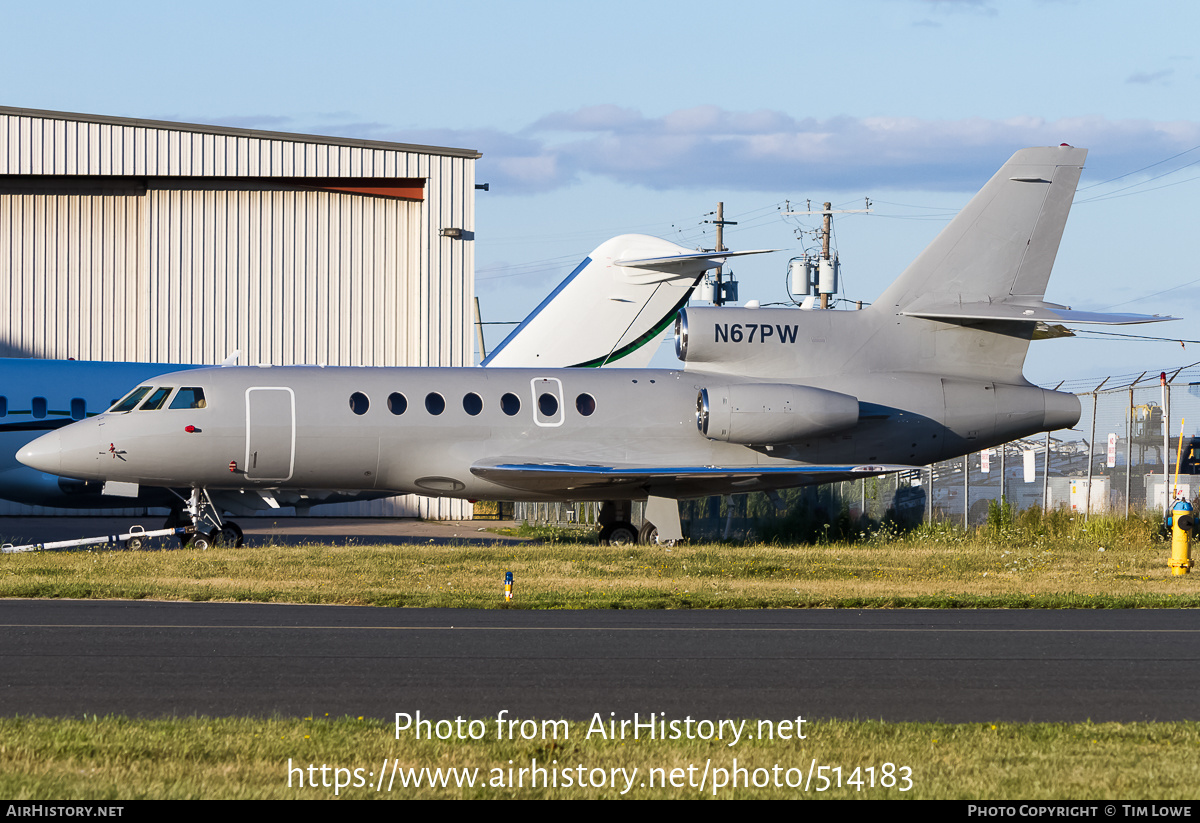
point(638, 117)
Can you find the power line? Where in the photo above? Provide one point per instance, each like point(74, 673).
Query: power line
point(1142, 337)
point(1142, 169)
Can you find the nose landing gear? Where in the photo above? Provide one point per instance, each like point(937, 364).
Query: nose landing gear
point(205, 526)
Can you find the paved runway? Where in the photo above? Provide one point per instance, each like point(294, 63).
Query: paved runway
point(152, 659)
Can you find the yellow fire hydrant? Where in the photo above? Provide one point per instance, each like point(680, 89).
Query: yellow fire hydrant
point(1182, 523)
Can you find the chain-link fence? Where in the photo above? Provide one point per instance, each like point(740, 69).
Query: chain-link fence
point(1120, 459)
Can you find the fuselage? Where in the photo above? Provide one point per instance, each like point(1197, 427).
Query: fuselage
point(424, 430)
point(39, 396)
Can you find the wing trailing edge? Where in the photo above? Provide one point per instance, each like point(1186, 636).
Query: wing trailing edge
point(542, 476)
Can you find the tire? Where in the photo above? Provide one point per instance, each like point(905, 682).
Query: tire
point(648, 535)
point(134, 544)
point(203, 542)
point(230, 535)
point(618, 534)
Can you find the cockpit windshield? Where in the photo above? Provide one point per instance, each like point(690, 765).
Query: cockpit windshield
point(157, 399)
point(130, 400)
point(188, 397)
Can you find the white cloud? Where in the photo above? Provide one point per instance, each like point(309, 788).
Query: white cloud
point(767, 150)
point(977, 6)
point(1150, 77)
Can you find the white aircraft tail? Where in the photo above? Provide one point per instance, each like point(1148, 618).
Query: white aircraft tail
point(612, 309)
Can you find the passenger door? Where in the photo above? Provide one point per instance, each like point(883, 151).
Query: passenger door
point(270, 433)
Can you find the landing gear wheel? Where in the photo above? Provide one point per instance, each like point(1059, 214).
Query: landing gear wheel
point(230, 535)
point(618, 534)
point(203, 542)
point(648, 535)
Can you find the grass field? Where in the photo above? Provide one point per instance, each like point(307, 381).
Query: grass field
point(237, 758)
point(1030, 563)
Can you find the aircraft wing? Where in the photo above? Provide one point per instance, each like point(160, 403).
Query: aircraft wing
point(552, 477)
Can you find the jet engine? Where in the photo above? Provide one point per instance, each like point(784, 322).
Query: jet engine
point(767, 414)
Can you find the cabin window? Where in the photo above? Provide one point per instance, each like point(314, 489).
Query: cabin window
point(548, 404)
point(435, 403)
point(78, 408)
point(397, 403)
point(39, 407)
point(585, 404)
point(3, 406)
point(131, 399)
point(472, 404)
point(510, 404)
point(359, 403)
point(189, 397)
point(156, 400)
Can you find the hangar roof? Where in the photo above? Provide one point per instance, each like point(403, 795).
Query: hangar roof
point(234, 132)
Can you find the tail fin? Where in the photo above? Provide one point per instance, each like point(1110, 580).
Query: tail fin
point(987, 271)
point(1001, 247)
point(612, 309)
point(965, 309)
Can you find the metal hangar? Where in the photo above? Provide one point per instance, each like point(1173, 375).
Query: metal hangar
point(142, 240)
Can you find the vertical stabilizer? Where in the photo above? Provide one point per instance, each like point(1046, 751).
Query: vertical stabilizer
point(1001, 247)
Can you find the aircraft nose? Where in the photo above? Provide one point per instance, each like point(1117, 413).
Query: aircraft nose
point(44, 453)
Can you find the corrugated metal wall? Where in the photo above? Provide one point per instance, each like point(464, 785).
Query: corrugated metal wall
point(116, 243)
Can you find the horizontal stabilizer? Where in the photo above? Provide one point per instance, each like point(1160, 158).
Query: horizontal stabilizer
point(687, 263)
point(1022, 313)
point(548, 476)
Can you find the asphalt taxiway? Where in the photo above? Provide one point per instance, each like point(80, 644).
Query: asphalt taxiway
point(68, 658)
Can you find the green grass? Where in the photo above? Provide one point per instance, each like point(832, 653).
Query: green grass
point(236, 758)
point(1030, 562)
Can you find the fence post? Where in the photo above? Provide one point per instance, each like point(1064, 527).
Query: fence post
point(1087, 509)
point(1166, 456)
point(966, 488)
point(929, 496)
point(1046, 477)
point(1003, 469)
point(1129, 450)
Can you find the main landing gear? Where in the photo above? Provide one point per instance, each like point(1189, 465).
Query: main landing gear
point(204, 523)
point(617, 529)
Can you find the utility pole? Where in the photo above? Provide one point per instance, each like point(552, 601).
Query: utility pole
point(826, 232)
point(720, 223)
point(479, 330)
point(827, 266)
